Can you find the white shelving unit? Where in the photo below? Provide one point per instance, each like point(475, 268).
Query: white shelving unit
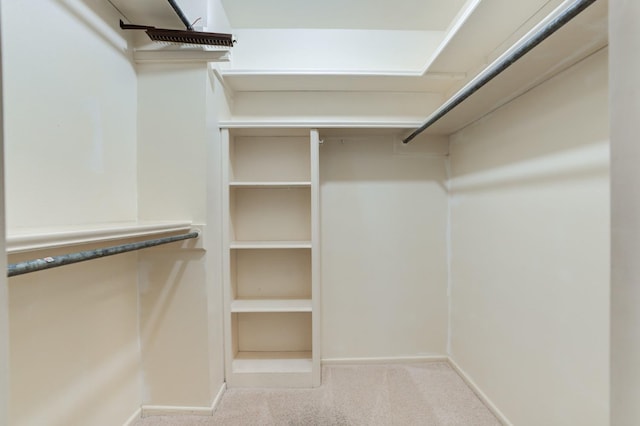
point(271, 267)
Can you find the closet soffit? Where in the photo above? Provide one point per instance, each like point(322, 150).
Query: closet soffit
point(276, 40)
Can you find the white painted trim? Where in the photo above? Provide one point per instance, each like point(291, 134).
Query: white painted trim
point(135, 416)
point(186, 55)
point(449, 186)
point(316, 294)
point(175, 410)
point(385, 360)
point(306, 124)
point(483, 397)
point(218, 75)
point(39, 239)
point(227, 296)
point(340, 73)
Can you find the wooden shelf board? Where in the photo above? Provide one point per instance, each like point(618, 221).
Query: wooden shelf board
point(271, 305)
point(300, 80)
point(272, 362)
point(270, 244)
point(283, 184)
point(33, 239)
point(181, 53)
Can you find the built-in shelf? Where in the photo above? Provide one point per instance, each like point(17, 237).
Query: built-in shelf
point(257, 185)
point(272, 362)
point(271, 305)
point(270, 214)
point(270, 245)
point(32, 239)
point(271, 262)
point(181, 53)
point(270, 158)
point(285, 80)
point(270, 274)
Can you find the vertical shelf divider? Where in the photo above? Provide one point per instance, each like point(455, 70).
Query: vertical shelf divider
point(228, 326)
point(315, 254)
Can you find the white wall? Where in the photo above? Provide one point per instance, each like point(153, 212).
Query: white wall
point(217, 20)
point(70, 102)
point(70, 129)
point(321, 50)
point(530, 251)
point(383, 248)
point(624, 67)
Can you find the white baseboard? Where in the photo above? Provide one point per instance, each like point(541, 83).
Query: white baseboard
point(171, 410)
point(174, 410)
point(218, 398)
point(385, 360)
point(135, 416)
point(483, 397)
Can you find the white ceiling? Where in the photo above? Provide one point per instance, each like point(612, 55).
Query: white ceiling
point(343, 14)
point(326, 14)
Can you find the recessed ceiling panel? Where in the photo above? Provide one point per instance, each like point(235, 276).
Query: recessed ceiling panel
point(424, 15)
point(156, 13)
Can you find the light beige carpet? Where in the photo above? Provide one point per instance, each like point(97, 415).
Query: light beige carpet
point(425, 394)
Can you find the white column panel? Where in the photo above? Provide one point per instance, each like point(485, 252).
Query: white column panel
point(4, 302)
point(179, 177)
point(171, 141)
point(215, 103)
point(624, 66)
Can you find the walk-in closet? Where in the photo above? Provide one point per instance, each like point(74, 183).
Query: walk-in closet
point(241, 212)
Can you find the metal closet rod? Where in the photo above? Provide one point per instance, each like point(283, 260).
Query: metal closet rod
point(503, 63)
point(181, 14)
point(67, 259)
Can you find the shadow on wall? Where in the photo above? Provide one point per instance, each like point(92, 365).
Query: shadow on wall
point(174, 327)
point(576, 165)
point(381, 159)
point(74, 342)
point(553, 132)
point(160, 285)
point(100, 18)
